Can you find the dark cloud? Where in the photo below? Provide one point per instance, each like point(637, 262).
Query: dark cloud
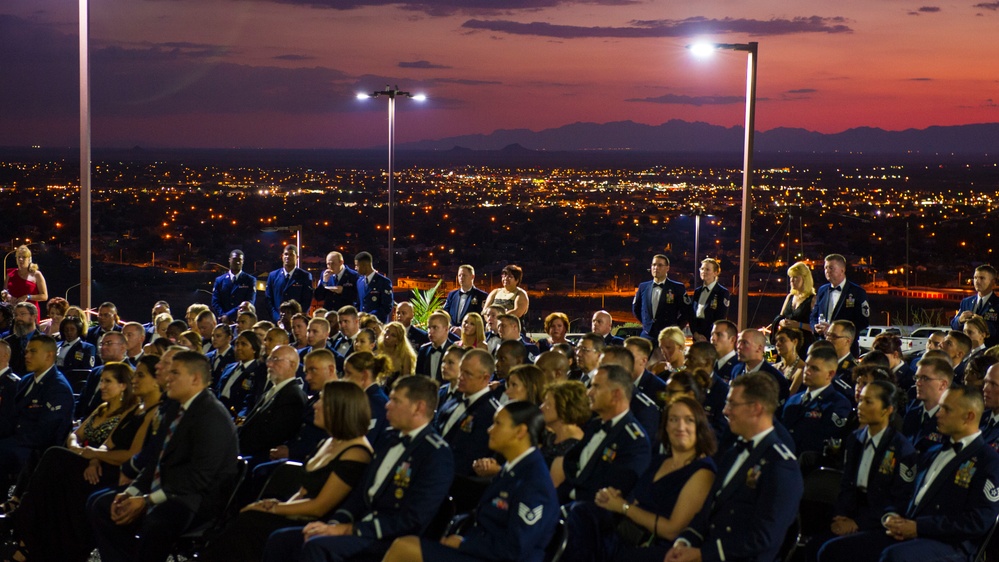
point(670, 28)
point(466, 82)
point(294, 57)
point(988, 6)
point(450, 7)
point(802, 91)
point(920, 79)
point(421, 64)
point(929, 9)
point(693, 100)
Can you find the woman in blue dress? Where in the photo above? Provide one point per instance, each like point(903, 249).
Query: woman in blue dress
point(669, 494)
point(516, 517)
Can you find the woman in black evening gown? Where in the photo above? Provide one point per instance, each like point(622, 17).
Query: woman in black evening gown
point(797, 306)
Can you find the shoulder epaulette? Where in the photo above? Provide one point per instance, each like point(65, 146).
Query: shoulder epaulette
point(644, 399)
point(436, 440)
point(634, 430)
point(495, 403)
point(784, 452)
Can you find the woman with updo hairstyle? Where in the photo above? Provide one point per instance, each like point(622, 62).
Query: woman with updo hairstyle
point(377, 367)
point(517, 514)
point(55, 309)
point(666, 497)
point(566, 410)
point(685, 383)
point(510, 296)
point(864, 498)
point(797, 307)
point(978, 331)
point(191, 340)
point(789, 343)
point(25, 283)
point(672, 345)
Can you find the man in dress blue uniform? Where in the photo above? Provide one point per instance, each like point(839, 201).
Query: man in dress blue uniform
point(818, 413)
point(990, 419)
point(751, 347)
point(601, 324)
point(430, 357)
point(343, 344)
point(934, 376)
point(642, 406)
point(288, 282)
point(466, 298)
point(842, 334)
point(724, 335)
point(107, 321)
point(755, 497)
point(400, 492)
point(660, 302)
point(232, 288)
point(337, 285)
point(222, 353)
point(839, 299)
point(374, 290)
point(957, 345)
point(983, 303)
point(404, 315)
point(464, 420)
point(614, 449)
point(242, 380)
point(186, 485)
point(710, 301)
point(956, 498)
point(43, 408)
point(649, 384)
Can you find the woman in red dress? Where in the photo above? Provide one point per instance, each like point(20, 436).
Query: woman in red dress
point(25, 282)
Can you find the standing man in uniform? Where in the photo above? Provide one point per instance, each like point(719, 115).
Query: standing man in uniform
point(289, 282)
point(233, 288)
point(374, 290)
point(981, 303)
point(660, 302)
point(466, 298)
point(840, 299)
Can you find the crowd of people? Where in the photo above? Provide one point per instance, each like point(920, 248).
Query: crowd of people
point(124, 435)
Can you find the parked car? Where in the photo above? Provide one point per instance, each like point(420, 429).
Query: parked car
point(866, 336)
point(916, 341)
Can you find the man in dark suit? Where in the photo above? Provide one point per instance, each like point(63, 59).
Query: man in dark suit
point(839, 299)
point(818, 413)
point(983, 303)
point(320, 368)
point(660, 302)
point(187, 484)
point(464, 421)
point(42, 412)
point(710, 301)
point(400, 492)
point(757, 489)
point(289, 282)
point(614, 449)
point(956, 498)
point(466, 298)
point(276, 417)
point(233, 288)
point(404, 315)
point(337, 285)
point(24, 329)
point(374, 290)
point(724, 336)
point(431, 354)
point(8, 388)
point(601, 324)
point(750, 347)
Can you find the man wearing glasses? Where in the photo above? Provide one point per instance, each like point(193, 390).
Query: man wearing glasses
point(934, 376)
point(278, 414)
point(755, 496)
point(842, 334)
point(588, 352)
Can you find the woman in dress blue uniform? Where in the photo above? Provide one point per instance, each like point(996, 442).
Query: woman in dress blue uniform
point(516, 517)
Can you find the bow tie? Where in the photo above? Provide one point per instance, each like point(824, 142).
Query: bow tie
point(406, 440)
point(836, 289)
point(952, 445)
point(744, 446)
point(606, 426)
point(869, 443)
point(659, 285)
point(464, 293)
point(460, 399)
point(436, 349)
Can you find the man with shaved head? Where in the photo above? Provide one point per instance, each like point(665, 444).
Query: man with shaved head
point(750, 348)
point(554, 365)
point(601, 324)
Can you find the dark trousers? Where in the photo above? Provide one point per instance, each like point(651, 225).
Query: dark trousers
point(876, 546)
point(287, 545)
point(150, 538)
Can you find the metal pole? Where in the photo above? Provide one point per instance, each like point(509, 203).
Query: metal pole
point(391, 157)
point(85, 257)
point(697, 248)
point(747, 183)
point(298, 246)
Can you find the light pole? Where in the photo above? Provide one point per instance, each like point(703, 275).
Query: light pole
point(85, 228)
point(391, 94)
point(747, 166)
point(297, 229)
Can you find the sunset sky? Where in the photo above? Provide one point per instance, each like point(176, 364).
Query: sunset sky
point(258, 73)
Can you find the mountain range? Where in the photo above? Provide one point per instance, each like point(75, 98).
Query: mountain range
point(677, 136)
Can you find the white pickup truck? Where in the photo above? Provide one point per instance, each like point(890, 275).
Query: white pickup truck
point(865, 339)
point(916, 341)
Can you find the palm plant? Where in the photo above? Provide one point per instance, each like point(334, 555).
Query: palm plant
point(426, 303)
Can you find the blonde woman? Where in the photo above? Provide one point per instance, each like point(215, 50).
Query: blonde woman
point(25, 283)
point(798, 304)
point(672, 345)
point(394, 345)
point(473, 332)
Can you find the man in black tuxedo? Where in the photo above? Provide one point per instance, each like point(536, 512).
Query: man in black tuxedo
point(337, 285)
point(431, 354)
point(278, 413)
point(839, 299)
point(186, 485)
point(466, 298)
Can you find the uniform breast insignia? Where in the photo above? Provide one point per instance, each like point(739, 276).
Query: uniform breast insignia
point(475, 300)
point(752, 476)
point(529, 516)
point(887, 463)
point(402, 476)
point(247, 383)
point(374, 298)
point(500, 504)
point(963, 476)
point(935, 437)
point(714, 303)
point(850, 302)
point(991, 491)
point(53, 408)
point(78, 356)
point(726, 303)
point(814, 414)
point(466, 424)
point(670, 297)
point(609, 454)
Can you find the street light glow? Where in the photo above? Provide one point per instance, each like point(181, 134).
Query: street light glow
point(702, 49)
point(363, 96)
point(420, 97)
